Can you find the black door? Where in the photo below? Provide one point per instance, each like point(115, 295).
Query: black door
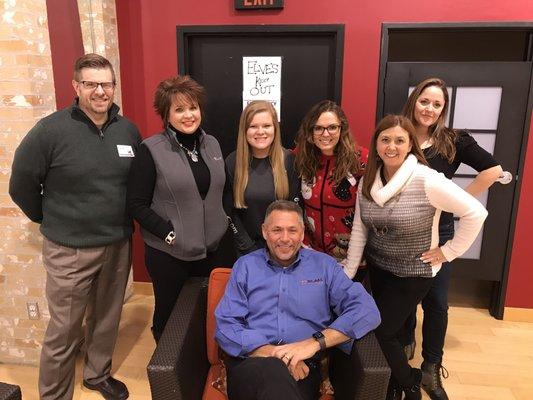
point(490, 100)
point(311, 70)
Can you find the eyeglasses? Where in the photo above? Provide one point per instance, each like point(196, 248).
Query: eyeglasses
point(106, 86)
point(332, 129)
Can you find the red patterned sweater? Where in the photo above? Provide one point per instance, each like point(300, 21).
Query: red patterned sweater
point(330, 208)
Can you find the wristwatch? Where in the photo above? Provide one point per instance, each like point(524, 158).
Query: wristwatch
point(170, 238)
point(319, 337)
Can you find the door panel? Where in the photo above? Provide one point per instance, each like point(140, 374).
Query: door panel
point(489, 99)
point(311, 72)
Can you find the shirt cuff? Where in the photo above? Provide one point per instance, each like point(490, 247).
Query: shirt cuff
point(251, 340)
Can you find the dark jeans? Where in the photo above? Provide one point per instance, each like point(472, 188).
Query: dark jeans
point(396, 297)
point(268, 378)
point(435, 306)
point(168, 276)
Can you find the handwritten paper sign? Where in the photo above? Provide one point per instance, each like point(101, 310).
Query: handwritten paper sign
point(261, 80)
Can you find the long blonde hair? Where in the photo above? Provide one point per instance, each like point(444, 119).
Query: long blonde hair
point(244, 155)
point(443, 137)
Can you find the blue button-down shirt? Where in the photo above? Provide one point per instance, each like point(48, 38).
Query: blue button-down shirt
point(265, 303)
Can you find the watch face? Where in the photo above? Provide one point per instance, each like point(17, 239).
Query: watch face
point(318, 335)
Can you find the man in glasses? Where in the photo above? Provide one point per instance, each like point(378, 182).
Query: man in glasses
point(69, 175)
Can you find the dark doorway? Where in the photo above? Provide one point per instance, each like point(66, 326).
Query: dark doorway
point(311, 70)
point(488, 71)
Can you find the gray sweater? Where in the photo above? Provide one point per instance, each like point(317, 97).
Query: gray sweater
point(68, 176)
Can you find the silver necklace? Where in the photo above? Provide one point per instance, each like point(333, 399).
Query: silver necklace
point(383, 230)
point(191, 153)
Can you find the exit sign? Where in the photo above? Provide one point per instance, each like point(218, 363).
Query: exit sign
point(257, 4)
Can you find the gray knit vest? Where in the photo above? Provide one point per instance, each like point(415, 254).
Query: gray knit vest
point(198, 224)
point(403, 228)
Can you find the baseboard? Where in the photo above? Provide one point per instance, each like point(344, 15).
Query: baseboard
point(143, 288)
point(518, 314)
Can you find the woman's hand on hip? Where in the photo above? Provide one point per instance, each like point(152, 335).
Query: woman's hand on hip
point(433, 257)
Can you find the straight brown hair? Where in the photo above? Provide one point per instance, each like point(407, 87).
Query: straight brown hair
point(92, 60)
point(375, 162)
point(443, 137)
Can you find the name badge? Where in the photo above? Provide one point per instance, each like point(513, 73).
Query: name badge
point(125, 150)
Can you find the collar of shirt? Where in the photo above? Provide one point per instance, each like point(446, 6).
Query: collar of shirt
point(273, 264)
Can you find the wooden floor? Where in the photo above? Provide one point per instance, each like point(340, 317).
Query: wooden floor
point(486, 358)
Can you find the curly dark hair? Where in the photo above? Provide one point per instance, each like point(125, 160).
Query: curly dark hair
point(347, 158)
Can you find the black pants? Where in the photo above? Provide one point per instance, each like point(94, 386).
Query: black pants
point(268, 378)
point(396, 298)
point(435, 306)
point(168, 276)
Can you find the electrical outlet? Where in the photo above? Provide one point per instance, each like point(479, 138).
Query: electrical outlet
point(33, 310)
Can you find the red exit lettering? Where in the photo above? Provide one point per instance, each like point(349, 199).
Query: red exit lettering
point(251, 3)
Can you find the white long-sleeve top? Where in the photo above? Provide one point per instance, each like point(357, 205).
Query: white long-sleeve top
point(401, 221)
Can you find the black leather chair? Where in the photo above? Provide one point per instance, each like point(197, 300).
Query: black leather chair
point(180, 365)
point(10, 392)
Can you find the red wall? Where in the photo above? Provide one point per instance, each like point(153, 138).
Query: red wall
point(64, 22)
point(148, 50)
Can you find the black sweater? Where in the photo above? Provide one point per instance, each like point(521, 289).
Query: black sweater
point(258, 195)
point(467, 152)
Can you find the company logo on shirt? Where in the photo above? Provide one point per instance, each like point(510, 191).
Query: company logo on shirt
point(315, 281)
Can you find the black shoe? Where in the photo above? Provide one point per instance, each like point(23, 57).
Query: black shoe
point(394, 391)
point(413, 392)
point(431, 382)
point(110, 389)
point(410, 350)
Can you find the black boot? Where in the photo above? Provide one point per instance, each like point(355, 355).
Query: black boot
point(413, 392)
point(394, 391)
point(431, 382)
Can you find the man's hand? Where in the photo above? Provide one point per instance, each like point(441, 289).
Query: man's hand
point(266, 350)
point(299, 371)
point(292, 353)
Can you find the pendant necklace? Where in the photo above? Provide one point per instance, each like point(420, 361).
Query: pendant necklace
point(383, 230)
point(191, 153)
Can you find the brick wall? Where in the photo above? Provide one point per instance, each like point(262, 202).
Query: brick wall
point(98, 20)
point(26, 95)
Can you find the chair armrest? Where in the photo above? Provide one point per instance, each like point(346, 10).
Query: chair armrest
point(179, 365)
point(9, 392)
point(364, 374)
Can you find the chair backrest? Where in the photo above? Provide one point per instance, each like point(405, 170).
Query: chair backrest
point(217, 284)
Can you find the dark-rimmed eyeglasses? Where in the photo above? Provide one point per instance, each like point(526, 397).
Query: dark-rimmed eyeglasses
point(332, 129)
point(106, 86)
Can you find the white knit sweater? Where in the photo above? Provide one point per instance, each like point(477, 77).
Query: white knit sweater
point(441, 193)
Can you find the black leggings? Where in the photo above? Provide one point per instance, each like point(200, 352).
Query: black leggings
point(168, 276)
point(396, 297)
